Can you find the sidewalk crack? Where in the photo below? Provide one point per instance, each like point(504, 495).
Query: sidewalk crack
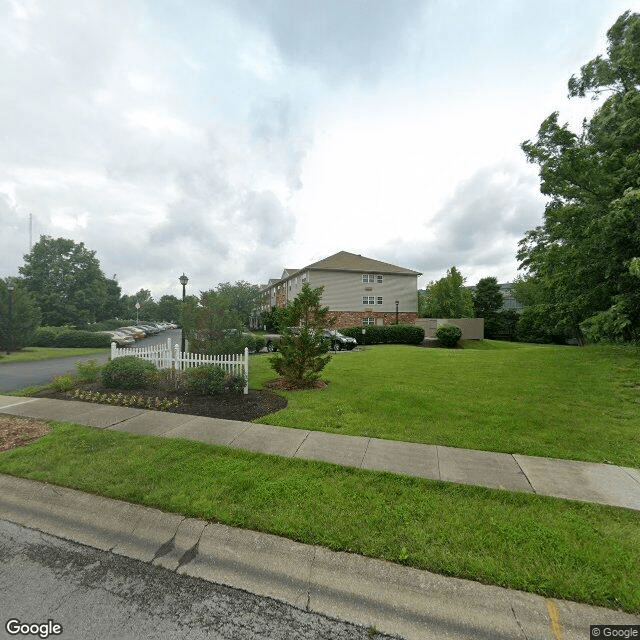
point(524, 635)
point(230, 443)
point(526, 477)
point(438, 461)
point(364, 455)
point(631, 476)
point(307, 605)
point(295, 453)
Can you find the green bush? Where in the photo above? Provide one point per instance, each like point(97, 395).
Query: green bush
point(128, 372)
point(88, 371)
point(449, 335)
point(387, 334)
point(206, 380)
point(236, 382)
point(63, 383)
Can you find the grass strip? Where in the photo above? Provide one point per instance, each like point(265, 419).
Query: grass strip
point(540, 400)
point(556, 548)
point(29, 354)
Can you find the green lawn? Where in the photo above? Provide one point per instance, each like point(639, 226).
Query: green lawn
point(556, 548)
point(46, 353)
point(543, 400)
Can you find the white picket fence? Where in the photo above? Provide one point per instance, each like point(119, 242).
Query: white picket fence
point(164, 356)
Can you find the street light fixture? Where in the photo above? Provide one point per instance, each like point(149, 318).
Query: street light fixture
point(397, 303)
point(10, 341)
point(183, 281)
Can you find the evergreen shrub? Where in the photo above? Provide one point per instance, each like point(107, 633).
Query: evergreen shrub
point(449, 335)
point(128, 372)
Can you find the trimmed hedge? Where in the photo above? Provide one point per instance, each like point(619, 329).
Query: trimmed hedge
point(62, 337)
point(128, 372)
point(449, 335)
point(387, 334)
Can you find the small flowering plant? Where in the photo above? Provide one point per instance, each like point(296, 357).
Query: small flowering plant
point(125, 400)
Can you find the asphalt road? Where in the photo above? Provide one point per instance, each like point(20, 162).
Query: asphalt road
point(97, 594)
point(18, 375)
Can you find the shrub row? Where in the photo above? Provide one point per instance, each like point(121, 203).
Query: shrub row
point(62, 337)
point(130, 372)
point(388, 334)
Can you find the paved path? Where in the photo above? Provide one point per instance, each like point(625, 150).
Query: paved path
point(587, 481)
point(19, 375)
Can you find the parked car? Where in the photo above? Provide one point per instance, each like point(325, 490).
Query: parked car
point(339, 341)
point(149, 329)
point(137, 333)
point(121, 339)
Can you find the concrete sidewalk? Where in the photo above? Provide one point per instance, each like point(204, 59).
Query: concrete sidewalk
point(394, 599)
point(586, 481)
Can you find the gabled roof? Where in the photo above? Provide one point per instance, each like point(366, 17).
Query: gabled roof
point(345, 261)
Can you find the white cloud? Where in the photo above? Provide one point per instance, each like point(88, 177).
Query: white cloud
point(231, 139)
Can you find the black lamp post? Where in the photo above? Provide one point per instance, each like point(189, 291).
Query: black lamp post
point(397, 303)
point(10, 323)
point(183, 281)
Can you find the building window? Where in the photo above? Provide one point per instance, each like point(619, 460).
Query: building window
point(379, 300)
point(368, 300)
point(371, 278)
point(379, 279)
point(368, 321)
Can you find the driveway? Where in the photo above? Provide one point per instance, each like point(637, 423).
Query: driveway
point(18, 375)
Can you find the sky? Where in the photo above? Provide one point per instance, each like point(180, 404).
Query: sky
point(230, 139)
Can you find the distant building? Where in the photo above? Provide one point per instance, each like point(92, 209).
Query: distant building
point(357, 290)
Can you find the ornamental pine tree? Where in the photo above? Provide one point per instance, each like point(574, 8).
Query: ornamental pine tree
point(303, 348)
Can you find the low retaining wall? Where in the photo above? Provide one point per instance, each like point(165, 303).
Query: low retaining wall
point(472, 328)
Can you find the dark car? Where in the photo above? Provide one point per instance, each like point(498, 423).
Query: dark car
point(339, 341)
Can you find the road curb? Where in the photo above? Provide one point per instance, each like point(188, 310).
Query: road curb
point(394, 599)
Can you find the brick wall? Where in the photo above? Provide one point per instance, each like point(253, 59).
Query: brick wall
point(354, 318)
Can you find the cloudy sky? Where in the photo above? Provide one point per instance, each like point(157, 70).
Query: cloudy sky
point(228, 139)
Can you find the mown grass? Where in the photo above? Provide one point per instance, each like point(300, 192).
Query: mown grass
point(556, 548)
point(543, 400)
point(47, 353)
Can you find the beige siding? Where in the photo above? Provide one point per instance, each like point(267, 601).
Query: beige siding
point(343, 291)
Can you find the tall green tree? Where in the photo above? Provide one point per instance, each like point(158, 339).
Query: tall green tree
point(579, 258)
point(303, 352)
point(241, 298)
point(17, 329)
point(112, 305)
point(447, 297)
point(487, 302)
point(169, 308)
point(487, 297)
point(66, 281)
point(210, 326)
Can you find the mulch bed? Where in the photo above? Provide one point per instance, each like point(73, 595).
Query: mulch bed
point(228, 406)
